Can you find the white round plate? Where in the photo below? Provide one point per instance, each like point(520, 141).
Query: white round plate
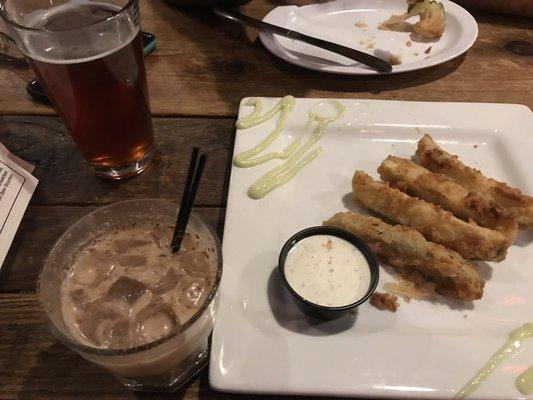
point(354, 23)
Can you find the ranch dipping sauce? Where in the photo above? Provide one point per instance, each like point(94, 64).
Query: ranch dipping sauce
point(328, 271)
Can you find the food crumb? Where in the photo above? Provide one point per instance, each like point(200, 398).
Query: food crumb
point(475, 146)
point(464, 316)
point(360, 24)
point(367, 43)
point(408, 43)
point(328, 245)
point(395, 60)
point(384, 301)
point(427, 50)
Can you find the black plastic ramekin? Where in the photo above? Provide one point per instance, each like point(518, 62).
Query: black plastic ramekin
point(320, 311)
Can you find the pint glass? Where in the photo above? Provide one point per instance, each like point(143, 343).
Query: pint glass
point(88, 57)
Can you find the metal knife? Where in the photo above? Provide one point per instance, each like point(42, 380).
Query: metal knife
point(364, 58)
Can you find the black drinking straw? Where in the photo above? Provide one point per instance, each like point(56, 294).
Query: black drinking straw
point(187, 199)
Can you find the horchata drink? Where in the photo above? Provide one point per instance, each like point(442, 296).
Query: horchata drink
point(115, 292)
point(88, 57)
point(127, 288)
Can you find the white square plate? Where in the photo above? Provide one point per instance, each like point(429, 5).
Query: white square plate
point(262, 343)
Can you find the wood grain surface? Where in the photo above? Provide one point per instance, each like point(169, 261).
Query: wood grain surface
point(68, 189)
point(64, 177)
point(35, 365)
point(203, 66)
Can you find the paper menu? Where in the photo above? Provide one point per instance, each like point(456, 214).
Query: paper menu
point(16, 188)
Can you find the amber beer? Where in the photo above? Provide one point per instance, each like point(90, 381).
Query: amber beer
point(91, 67)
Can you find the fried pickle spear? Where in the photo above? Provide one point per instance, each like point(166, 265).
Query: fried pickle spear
point(437, 160)
point(438, 189)
point(467, 238)
point(407, 250)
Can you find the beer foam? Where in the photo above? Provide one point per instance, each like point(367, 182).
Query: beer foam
point(71, 45)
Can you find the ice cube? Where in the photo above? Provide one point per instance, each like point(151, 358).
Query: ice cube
point(95, 316)
point(117, 335)
point(131, 260)
point(155, 321)
point(195, 263)
point(162, 235)
point(127, 289)
point(144, 299)
point(186, 304)
point(149, 274)
point(123, 245)
point(189, 241)
point(92, 267)
point(192, 293)
point(79, 297)
point(167, 282)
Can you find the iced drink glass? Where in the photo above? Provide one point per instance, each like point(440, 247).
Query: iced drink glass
point(162, 364)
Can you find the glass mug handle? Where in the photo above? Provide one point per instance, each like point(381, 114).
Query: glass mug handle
point(9, 51)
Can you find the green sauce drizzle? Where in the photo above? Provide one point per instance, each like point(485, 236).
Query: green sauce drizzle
point(295, 153)
point(284, 108)
point(524, 382)
point(511, 346)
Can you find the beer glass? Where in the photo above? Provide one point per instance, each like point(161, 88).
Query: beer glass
point(88, 57)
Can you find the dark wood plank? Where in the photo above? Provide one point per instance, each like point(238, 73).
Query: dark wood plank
point(35, 365)
point(65, 178)
point(204, 66)
point(41, 227)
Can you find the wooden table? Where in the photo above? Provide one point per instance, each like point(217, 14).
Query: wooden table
point(197, 76)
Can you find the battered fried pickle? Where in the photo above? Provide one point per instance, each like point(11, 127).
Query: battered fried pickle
point(438, 189)
point(467, 238)
point(437, 160)
point(407, 250)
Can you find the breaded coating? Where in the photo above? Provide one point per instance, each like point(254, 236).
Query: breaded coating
point(467, 238)
point(438, 189)
point(437, 160)
point(407, 250)
point(384, 301)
